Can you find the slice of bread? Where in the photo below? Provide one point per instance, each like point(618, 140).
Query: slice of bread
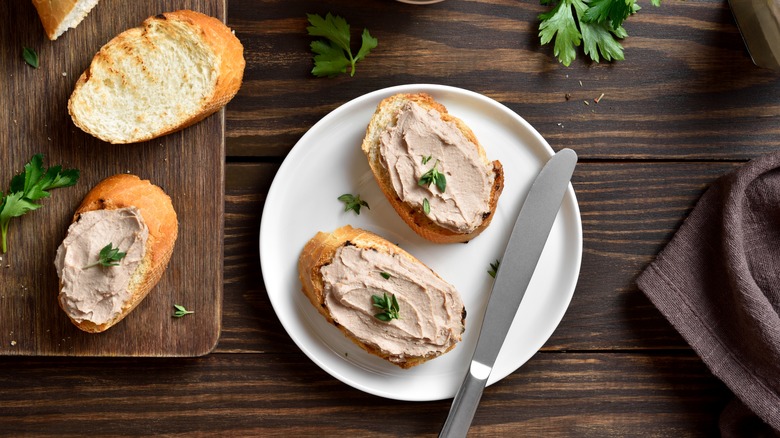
point(155, 207)
point(320, 251)
point(385, 117)
point(57, 16)
point(173, 71)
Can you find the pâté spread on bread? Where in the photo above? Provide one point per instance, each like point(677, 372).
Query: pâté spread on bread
point(92, 292)
point(345, 273)
point(430, 321)
point(133, 215)
point(420, 141)
point(432, 169)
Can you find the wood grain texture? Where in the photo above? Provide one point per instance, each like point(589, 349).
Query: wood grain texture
point(685, 107)
point(188, 165)
point(687, 90)
point(556, 394)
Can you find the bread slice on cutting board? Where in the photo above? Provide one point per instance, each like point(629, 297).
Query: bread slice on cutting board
point(174, 70)
point(57, 16)
point(134, 216)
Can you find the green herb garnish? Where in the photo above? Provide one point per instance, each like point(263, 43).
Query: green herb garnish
point(433, 176)
point(29, 186)
point(353, 202)
point(30, 57)
point(494, 268)
point(385, 275)
point(180, 311)
point(426, 206)
point(425, 160)
point(595, 23)
point(333, 57)
point(109, 256)
point(389, 305)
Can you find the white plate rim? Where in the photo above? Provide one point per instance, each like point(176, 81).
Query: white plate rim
point(393, 389)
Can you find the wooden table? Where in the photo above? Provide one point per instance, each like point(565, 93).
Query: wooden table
point(685, 107)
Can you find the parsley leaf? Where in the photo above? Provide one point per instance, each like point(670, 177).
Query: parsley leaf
point(30, 57)
point(559, 23)
point(29, 186)
point(599, 11)
point(329, 60)
point(181, 311)
point(335, 55)
point(353, 202)
point(109, 256)
point(494, 268)
point(595, 23)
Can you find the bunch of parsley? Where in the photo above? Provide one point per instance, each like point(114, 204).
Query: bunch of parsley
point(595, 23)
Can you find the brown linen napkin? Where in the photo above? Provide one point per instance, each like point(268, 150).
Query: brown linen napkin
point(718, 283)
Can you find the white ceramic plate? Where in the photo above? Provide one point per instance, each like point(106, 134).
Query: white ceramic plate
point(327, 162)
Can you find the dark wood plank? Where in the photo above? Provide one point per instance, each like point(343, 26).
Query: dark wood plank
point(555, 394)
point(688, 89)
point(188, 165)
point(686, 107)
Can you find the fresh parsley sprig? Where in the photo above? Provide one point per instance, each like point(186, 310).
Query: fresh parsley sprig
point(335, 55)
point(595, 23)
point(389, 305)
point(353, 202)
point(180, 311)
point(433, 176)
point(109, 256)
point(28, 187)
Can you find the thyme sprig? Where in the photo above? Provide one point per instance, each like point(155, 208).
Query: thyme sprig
point(389, 305)
point(433, 176)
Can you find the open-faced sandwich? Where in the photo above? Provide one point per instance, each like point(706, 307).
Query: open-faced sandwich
point(432, 169)
point(115, 252)
point(381, 297)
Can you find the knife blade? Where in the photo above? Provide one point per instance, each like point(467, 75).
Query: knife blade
point(758, 23)
point(521, 256)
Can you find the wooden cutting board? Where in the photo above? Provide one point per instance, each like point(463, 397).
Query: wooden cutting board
point(188, 165)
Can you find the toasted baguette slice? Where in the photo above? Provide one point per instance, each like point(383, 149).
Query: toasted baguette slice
point(385, 117)
point(57, 16)
point(319, 253)
point(155, 207)
point(173, 71)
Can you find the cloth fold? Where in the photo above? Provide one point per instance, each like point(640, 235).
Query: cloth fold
point(718, 283)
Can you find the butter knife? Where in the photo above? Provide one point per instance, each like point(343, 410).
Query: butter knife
point(521, 256)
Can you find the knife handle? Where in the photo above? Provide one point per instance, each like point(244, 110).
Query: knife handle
point(464, 405)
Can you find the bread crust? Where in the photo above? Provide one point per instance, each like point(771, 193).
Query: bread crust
point(54, 12)
point(211, 32)
point(156, 209)
point(385, 117)
point(320, 250)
